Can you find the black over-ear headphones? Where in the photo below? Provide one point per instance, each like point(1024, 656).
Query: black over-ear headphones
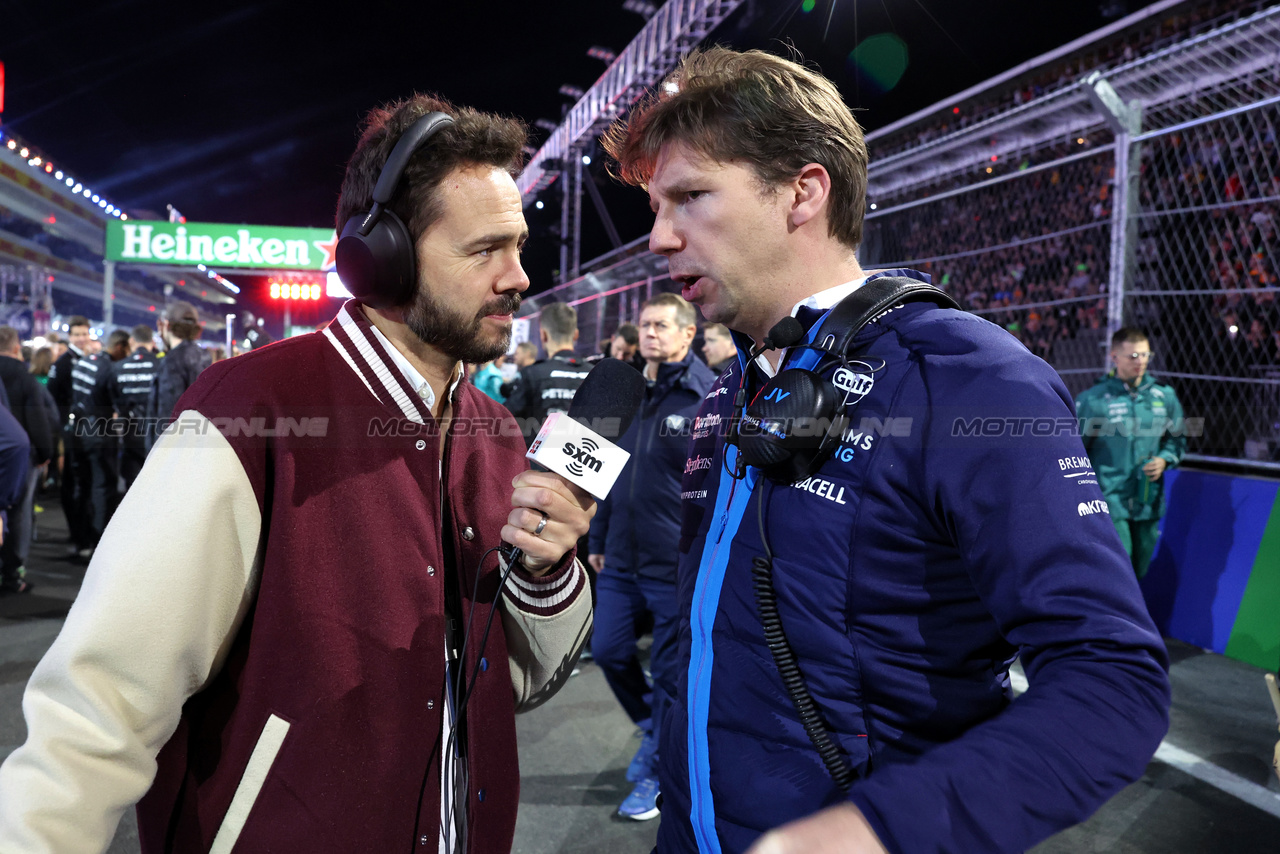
point(375, 255)
point(798, 419)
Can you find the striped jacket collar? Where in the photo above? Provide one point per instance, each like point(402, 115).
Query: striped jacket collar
point(384, 370)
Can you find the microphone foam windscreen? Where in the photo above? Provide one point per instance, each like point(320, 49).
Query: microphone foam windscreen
point(784, 333)
point(612, 390)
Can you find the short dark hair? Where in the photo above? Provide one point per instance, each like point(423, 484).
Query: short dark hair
point(77, 320)
point(474, 138)
point(718, 328)
point(630, 333)
point(527, 347)
point(8, 337)
point(117, 338)
point(560, 320)
point(685, 315)
point(142, 334)
point(1129, 335)
point(769, 113)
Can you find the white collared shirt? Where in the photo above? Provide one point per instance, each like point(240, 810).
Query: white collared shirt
point(411, 374)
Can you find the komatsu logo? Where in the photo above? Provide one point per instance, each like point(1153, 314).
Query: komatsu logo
point(1090, 508)
point(582, 459)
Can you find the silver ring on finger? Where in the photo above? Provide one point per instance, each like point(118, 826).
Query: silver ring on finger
point(542, 524)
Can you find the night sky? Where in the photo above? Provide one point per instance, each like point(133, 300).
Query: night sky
point(247, 112)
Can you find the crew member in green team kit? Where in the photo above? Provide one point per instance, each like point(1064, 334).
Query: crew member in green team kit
point(1133, 429)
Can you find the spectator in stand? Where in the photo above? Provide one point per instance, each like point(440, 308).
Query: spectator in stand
point(1133, 431)
point(181, 363)
point(26, 402)
point(77, 469)
point(718, 347)
point(635, 537)
point(130, 387)
point(548, 385)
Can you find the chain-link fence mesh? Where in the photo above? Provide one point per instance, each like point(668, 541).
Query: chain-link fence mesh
point(1029, 251)
point(1205, 275)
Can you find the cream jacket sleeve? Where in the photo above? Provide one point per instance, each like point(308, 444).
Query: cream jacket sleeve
point(164, 595)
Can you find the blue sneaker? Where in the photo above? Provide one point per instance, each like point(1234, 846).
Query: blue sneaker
point(642, 763)
point(642, 803)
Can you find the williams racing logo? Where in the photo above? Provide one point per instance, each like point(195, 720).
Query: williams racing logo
point(1091, 508)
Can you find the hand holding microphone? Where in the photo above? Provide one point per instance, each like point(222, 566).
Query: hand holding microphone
point(548, 516)
point(551, 510)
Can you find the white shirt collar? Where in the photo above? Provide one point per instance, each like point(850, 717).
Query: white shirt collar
point(820, 301)
point(415, 379)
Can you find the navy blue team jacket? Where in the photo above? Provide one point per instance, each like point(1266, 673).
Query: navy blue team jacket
point(956, 526)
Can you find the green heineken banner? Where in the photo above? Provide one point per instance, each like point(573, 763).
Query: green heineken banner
point(264, 246)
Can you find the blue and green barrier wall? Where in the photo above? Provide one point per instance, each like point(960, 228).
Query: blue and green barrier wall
point(1215, 578)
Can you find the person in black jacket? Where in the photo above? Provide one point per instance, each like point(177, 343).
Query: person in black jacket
point(182, 362)
point(129, 390)
point(90, 428)
point(548, 386)
point(27, 405)
point(635, 535)
point(77, 474)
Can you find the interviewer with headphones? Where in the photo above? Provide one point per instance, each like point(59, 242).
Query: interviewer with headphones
point(299, 651)
point(871, 531)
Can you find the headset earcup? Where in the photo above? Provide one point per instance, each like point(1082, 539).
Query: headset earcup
point(378, 268)
point(789, 424)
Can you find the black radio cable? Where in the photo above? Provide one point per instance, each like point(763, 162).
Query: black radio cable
point(784, 658)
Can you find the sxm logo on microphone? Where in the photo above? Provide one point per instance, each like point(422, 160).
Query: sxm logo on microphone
point(578, 454)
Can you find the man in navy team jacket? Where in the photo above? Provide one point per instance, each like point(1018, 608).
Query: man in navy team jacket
point(942, 537)
point(634, 536)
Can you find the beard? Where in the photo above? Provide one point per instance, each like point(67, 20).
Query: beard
point(453, 333)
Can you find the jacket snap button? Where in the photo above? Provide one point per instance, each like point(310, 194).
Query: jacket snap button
point(468, 533)
point(424, 839)
point(431, 704)
point(484, 664)
point(420, 444)
point(431, 570)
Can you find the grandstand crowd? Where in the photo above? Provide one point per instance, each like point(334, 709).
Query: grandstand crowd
point(1121, 48)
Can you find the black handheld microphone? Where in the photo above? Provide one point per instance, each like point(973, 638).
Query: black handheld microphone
point(605, 405)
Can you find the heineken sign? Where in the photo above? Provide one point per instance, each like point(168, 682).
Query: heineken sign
point(262, 246)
